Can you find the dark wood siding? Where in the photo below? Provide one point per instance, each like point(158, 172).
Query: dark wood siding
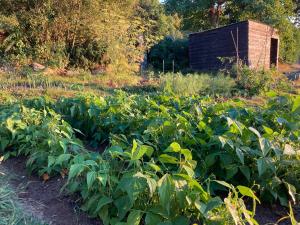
point(206, 48)
point(260, 36)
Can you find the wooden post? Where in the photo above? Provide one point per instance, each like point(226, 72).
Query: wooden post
point(236, 45)
point(173, 66)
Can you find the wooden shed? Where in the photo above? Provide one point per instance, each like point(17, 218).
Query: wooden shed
point(256, 45)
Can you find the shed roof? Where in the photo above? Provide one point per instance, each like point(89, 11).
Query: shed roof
point(233, 24)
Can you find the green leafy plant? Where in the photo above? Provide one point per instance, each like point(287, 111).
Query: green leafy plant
point(145, 173)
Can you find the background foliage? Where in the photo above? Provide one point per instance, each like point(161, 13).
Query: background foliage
point(83, 33)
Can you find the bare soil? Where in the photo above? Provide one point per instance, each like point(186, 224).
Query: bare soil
point(44, 200)
point(288, 68)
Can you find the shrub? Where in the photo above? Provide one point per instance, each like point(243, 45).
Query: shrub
point(192, 84)
point(255, 82)
point(169, 50)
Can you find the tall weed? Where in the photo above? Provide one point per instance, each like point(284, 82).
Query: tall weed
point(193, 84)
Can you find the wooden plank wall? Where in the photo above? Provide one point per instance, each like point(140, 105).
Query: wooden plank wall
point(260, 44)
point(207, 47)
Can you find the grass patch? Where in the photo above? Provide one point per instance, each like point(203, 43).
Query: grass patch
point(193, 84)
point(11, 212)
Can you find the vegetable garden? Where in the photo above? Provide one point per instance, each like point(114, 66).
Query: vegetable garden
point(167, 159)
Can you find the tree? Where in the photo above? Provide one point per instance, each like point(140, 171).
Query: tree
point(84, 33)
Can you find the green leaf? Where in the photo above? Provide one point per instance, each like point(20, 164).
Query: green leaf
point(231, 171)
point(62, 158)
point(150, 181)
point(63, 145)
point(255, 132)
point(164, 158)
point(139, 152)
point(90, 178)
point(237, 125)
point(165, 191)
point(187, 154)
point(75, 170)
point(268, 130)
point(181, 220)
point(291, 190)
point(225, 184)
point(72, 110)
point(102, 202)
point(296, 104)
point(51, 160)
point(152, 219)
point(223, 141)
point(165, 223)
point(262, 166)
point(212, 204)
point(247, 192)
point(189, 171)
point(134, 217)
point(174, 147)
point(148, 150)
point(154, 167)
point(134, 147)
point(246, 171)
point(90, 203)
point(102, 177)
point(115, 151)
point(265, 146)
point(4, 144)
point(240, 154)
point(201, 206)
point(123, 205)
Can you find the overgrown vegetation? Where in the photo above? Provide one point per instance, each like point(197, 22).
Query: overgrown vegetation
point(194, 84)
point(109, 34)
point(255, 82)
point(247, 82)
point(147, 172)
point(181, 153)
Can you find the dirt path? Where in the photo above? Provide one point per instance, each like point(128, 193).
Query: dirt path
point(291, 71)
point(43, 200)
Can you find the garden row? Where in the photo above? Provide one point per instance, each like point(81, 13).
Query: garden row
point(169, 160)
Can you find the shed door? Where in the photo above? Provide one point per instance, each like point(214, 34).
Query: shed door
point(274, 52)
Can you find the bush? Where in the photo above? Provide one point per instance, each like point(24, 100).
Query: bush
point(192, 84)
point(169, 50)
point(255, 82)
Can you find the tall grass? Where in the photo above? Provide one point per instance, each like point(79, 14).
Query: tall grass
point(192, 84)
